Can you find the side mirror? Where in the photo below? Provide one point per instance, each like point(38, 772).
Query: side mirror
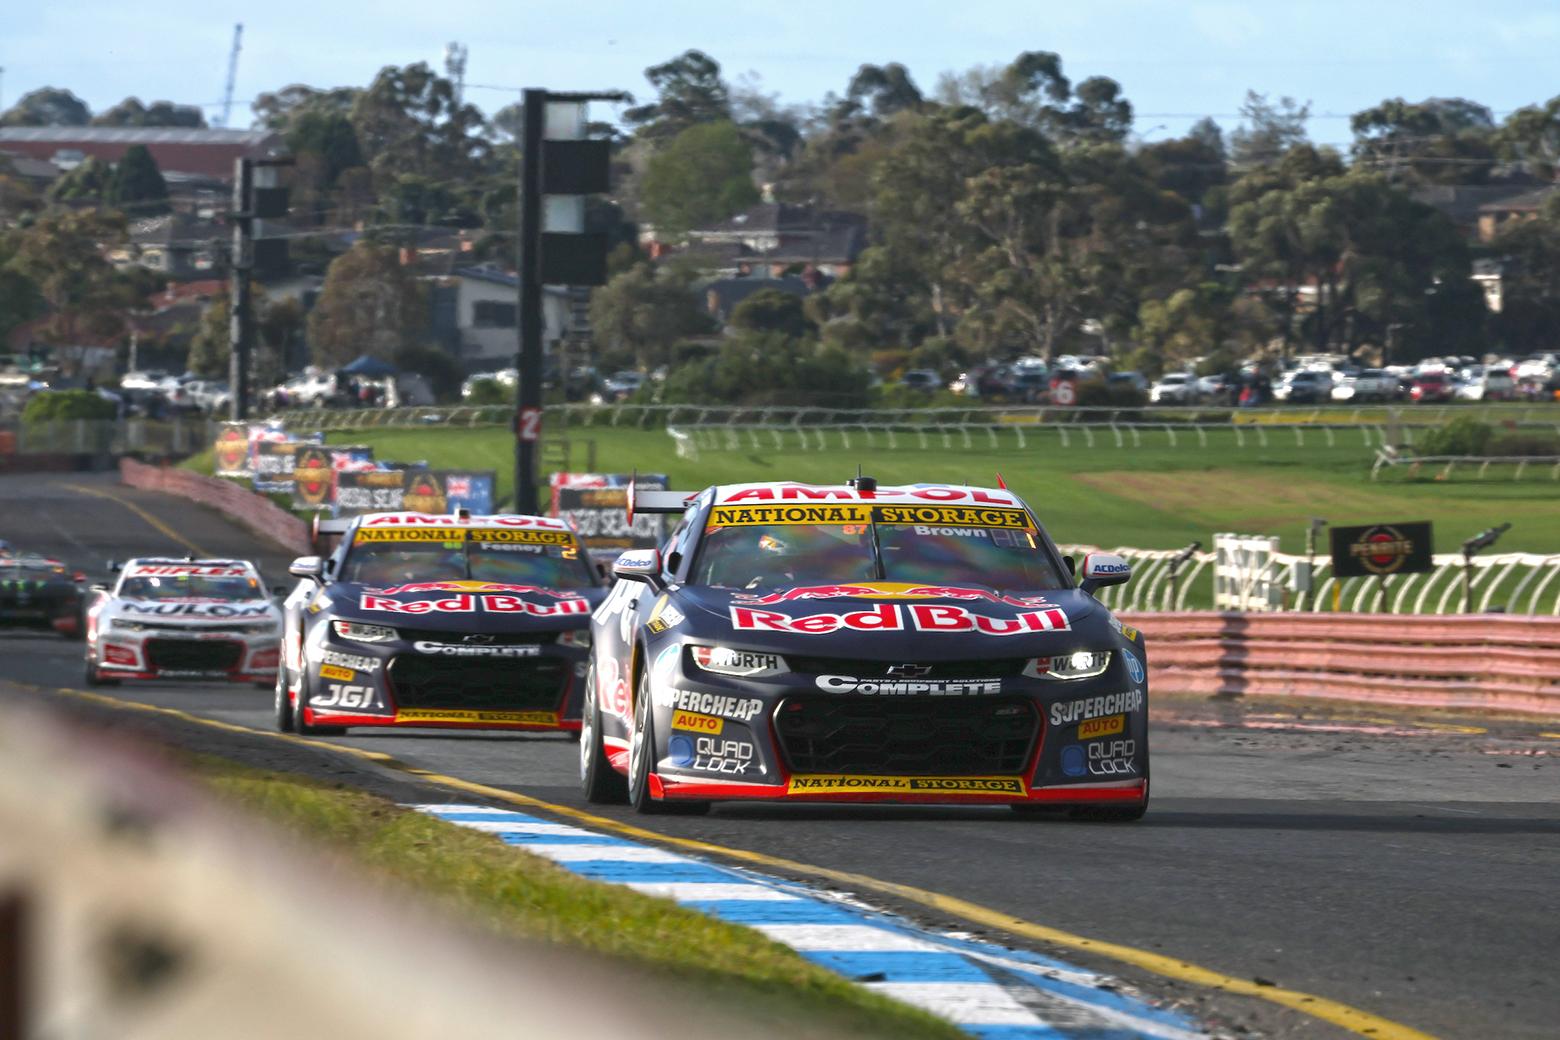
point(1102, 570)
point(307, 567)
point(639, 565)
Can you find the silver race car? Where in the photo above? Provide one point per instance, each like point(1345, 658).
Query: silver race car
point(209, 620)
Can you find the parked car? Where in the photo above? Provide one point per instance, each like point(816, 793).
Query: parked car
point(1431, 388)
point(1481, 383)
point(1370, 384)
point(1307, 386)
point(1538, 367)
point(1218, 388)
point(1130, 378)
point(1174, 388)
point(922, 379)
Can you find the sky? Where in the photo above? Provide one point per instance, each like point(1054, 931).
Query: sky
point(1176, 61)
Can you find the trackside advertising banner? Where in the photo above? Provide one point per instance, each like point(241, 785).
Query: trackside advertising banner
point(594, 504)
point(412, 489)
point(1382, 550)
point(275, 462)
point(316, 469)
point(231, 450)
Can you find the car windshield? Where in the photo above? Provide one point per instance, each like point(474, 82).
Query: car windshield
point(955, 546)
point(552, 566)
point(191, 586)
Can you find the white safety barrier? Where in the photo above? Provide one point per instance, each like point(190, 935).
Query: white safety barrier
point(1515, 583)
point(1389, 460)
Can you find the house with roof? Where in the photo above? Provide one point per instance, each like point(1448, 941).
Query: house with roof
point(198, 153)
point(474, 312)
point(1495, 215)
point(175, 244)
point(771, 239)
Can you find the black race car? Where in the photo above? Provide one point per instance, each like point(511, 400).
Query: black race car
point(858, 643)
point(460, 621)
point(40, 592)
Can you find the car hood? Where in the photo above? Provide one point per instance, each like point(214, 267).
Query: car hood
point(895, 620)
point(464, 606)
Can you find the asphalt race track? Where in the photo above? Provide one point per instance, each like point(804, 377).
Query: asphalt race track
point(1406, 866)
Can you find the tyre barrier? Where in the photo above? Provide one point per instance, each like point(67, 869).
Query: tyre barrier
point(1492, 662)
point(253, 511)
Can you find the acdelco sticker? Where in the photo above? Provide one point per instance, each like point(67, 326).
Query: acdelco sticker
point(697, 723)
point(1064, 712)
point(844, 784)
point(1108, 726)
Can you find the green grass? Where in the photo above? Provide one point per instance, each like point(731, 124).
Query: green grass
point(511, 893)
point(1150, 496)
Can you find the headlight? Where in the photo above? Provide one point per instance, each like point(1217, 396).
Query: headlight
point(358, 632)
point(575, 637)
point(121, 625)
point(1085, 664)
point(723, 660)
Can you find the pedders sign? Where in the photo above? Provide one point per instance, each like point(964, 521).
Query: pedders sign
point(894, 617)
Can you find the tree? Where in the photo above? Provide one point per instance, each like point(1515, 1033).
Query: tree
point(883, 90)
point(327, 134)
point(703, 175)
point(689, 91)
point(1530, 281)
point(370, 304)
point(89, 181)
point(437, 366)
point(1190, 166)
point(1531, 136)
point(278, 331)
point(130, 112)
point(1439, 140)
point(1033, 91)
point(644, 312)
point(1269, 131)
point(770, 368)
point(280, 109)
point(410, 121)
point(211, 347)
point(772, 310)
point(20, 301)
point(137, 185)
point(47, 106)
point(61, 255)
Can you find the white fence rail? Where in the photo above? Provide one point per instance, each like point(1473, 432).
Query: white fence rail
point(1517, 583)
point(1390, 460)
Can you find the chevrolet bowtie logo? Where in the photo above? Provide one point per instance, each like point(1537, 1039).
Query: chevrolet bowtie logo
point(909, 671)
point(478, 637)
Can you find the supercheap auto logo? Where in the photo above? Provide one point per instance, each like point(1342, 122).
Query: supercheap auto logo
point(845, 784)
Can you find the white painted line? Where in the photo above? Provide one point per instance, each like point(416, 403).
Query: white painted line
point(557, 830)
point(962, 1003)
point(461, 810)
point(1077, 978)
point(604, 853)
point(692, 891)
point(847, 937)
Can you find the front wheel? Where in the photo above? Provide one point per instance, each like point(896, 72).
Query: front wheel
point(641, 759)
point(600, 783)
point(302, 726)
point(283, 708)
point(94, 677)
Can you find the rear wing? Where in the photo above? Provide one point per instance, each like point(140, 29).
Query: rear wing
point(644, 501)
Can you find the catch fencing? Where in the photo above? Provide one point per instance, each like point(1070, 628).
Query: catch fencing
point(1257, 581)
point(1488, 662)
point(151, 437)
point(1394, 463)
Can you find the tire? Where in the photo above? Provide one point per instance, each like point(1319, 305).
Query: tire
point(600, 783)
point(283, 703)
point(309, 729)
point(641, 753)
point(94, 677)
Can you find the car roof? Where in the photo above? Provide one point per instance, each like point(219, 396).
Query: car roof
point(912, 494)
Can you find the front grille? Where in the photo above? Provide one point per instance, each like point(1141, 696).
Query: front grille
point(160, 626)
point(527, 684)
point(190, 655)
point(492, 639)
point(991, 668)
point(907, 735)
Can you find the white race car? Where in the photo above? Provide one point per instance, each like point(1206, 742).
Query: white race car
point(184, 619)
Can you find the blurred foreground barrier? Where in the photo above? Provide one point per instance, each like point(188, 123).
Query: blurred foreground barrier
point(135, 906)
point(1490, 661)
point(255, 512)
